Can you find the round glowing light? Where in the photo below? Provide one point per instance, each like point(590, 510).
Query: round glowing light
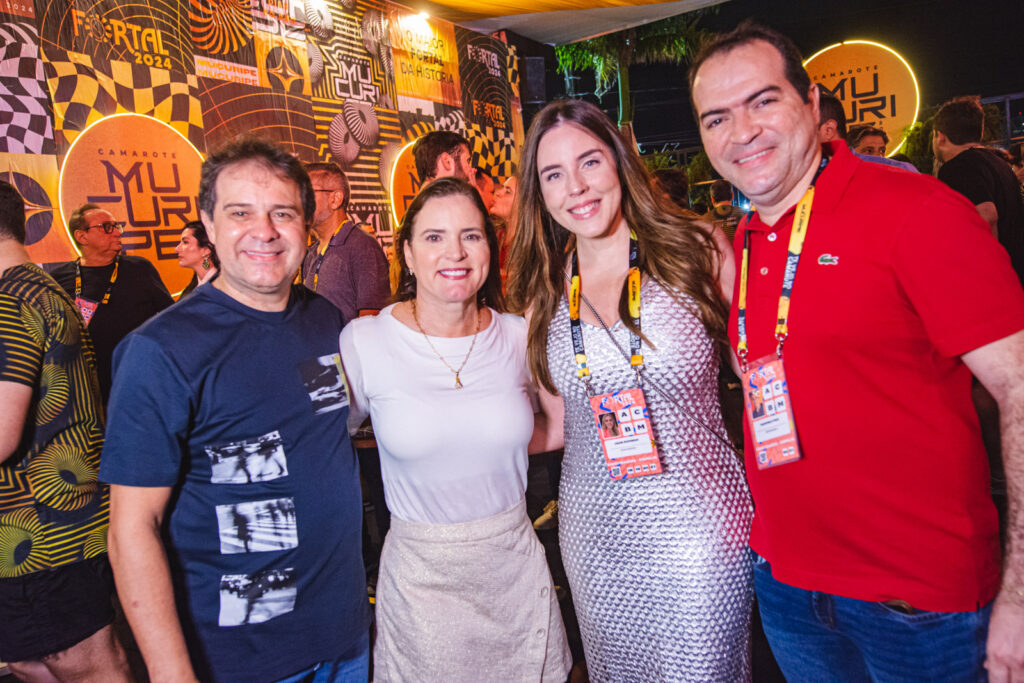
point(891, 98)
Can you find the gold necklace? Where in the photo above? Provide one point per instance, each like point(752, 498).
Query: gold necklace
point(458, 382)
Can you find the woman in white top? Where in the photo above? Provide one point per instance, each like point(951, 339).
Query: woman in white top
point(464, 592)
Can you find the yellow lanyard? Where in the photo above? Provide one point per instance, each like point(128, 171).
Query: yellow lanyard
point(321, 250)
point(110, 286)
point(801, 220)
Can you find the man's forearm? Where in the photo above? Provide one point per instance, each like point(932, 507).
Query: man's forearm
point(144, 587)
point(1011, 422)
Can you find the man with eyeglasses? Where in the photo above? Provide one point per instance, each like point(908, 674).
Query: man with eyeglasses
point(114, 293)
point(344, 264)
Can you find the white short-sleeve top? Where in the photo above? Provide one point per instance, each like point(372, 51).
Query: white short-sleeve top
point(447, 455)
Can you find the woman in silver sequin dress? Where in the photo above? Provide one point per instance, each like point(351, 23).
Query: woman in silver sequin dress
point(658, 565)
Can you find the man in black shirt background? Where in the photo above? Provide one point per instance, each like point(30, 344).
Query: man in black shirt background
point(114, 293)
point(979, 174)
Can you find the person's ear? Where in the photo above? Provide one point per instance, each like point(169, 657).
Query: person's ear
point(208, 222)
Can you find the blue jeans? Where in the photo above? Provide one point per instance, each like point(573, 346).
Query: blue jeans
point(354, 670)
point(822, 637)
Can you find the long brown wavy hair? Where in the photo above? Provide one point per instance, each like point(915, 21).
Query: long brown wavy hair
point(674, 249)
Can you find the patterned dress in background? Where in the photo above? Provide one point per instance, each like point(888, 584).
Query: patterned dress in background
point(658, 566)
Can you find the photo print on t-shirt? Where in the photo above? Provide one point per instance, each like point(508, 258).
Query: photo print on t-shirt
point(325, 382)
point(245, 462)
point(255, 598)
point(257, 526)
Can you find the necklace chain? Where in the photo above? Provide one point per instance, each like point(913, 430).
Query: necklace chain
point(458, 382)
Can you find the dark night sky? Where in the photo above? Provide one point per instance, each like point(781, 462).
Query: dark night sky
point(956, 47)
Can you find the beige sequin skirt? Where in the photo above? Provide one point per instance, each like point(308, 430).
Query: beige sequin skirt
point(467, 602)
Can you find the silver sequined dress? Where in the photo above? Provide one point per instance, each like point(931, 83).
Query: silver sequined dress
point(658, 565)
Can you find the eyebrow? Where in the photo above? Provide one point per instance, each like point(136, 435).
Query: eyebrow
point(581, 156)
point(751, 98)
point(248, 205)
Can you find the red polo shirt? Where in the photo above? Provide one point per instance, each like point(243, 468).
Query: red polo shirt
point(899, 276)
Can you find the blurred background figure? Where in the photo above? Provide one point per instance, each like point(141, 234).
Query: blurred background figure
point(722, 214)
point(673, 183)
point(196, 251)
point(485, 186)
point(868, 140)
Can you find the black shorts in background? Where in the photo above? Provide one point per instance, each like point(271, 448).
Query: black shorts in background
point(50, 610)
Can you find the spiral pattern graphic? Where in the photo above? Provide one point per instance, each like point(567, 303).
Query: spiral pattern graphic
point(343, 145)
point(21, 543)
point(54, 393)
point(95, 543)
point(362, 121)
point(61, 480)
point(316, 64)
point(319, 19)
point(220, 27)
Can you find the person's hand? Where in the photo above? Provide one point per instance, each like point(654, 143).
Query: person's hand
point(1005, 649)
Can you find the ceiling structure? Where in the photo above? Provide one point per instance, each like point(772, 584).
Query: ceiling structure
point(555, 22)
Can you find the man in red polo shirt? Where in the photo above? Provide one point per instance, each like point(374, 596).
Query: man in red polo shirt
point(877, 535)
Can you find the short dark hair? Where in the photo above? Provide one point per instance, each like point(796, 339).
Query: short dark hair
point(76, 221)
point(831, 110)
point(432, 145)
point(332, 169)
point(721, 191)
point(674, 183)
point(12, 213)
point(490, 293)
point(262, 151)
point(858, 133)
point(962, 120)
point(746, 33)
point(203, 240)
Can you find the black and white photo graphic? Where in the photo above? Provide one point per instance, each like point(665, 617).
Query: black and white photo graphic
point(325, 383)
point(244, 462)
point(255, 598)
point(257, 526)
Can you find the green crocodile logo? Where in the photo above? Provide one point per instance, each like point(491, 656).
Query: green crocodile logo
point(828, 260)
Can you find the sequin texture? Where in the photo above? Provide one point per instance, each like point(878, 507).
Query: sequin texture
point(658, 566)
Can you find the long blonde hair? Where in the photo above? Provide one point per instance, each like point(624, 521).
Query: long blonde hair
point(674, 250)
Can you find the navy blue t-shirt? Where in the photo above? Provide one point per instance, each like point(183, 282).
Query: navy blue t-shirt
point(244, 413)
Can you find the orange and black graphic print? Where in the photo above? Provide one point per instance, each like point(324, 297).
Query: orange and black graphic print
point(53, 510)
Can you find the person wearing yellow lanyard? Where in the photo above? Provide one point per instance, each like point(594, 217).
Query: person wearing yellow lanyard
point(624, 304)
point(344, 264)
point(867, 298)
point(114, 292)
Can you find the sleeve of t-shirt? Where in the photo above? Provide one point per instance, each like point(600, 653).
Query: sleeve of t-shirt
point(967, 181)
point(358, 408)
point(147, 417)
point(21, 354)
point(956, 276)
point(372, 287)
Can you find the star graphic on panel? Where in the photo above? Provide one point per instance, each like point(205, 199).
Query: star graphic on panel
point(280, 66)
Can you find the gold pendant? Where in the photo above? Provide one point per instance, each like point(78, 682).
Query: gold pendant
point(458, 382)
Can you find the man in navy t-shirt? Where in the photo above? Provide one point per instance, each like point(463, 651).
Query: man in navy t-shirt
point(235, 502)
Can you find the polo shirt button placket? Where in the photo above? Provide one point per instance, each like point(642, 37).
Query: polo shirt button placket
point(772, 237)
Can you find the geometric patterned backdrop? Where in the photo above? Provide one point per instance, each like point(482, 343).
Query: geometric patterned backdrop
point(318, 76)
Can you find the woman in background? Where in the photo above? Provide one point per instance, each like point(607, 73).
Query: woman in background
point(196, 251)
point(658, 565)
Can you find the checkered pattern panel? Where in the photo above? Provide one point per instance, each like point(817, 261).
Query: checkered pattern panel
point(494, 150)
point(28, 126)
point(85, 89)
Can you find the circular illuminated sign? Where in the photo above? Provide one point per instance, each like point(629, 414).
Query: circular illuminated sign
point(874, 83)
point(146, 174)
point(403, 183)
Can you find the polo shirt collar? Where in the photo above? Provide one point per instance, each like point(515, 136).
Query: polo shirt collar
point(830, 186)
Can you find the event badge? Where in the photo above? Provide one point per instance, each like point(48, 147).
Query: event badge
point(770, 413)
point(626, 436)
point(87, 308)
